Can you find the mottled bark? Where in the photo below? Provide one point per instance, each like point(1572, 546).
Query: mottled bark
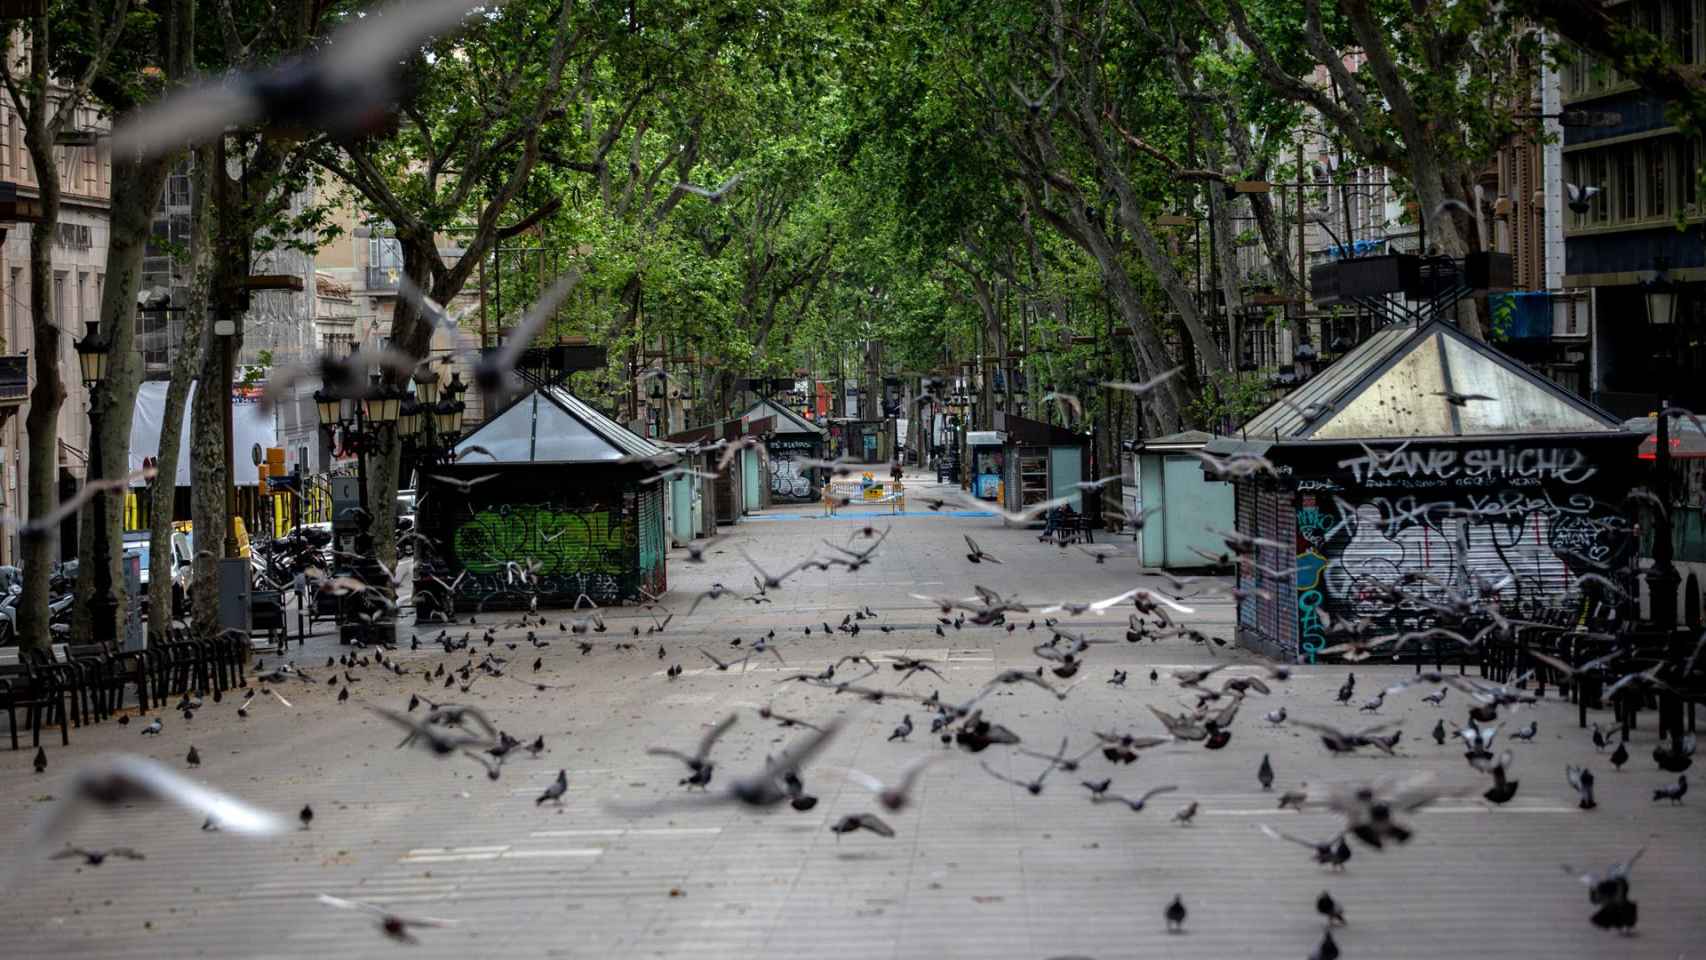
point(40, 549)
point(136, 187)
point(43, 120)
point(232, 228)
point(208, 477)
point(162, 492)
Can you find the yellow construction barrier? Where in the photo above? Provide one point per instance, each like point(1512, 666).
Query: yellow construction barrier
point(848, 493)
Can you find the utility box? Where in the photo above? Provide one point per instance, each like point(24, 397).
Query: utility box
point(346, 521)
point(235, 584)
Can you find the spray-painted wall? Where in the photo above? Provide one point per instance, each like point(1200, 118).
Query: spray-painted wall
point(789, 481)
point(1528, 520)
point(604, 540)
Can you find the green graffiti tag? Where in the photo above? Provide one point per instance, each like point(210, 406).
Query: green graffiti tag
point(552, 541)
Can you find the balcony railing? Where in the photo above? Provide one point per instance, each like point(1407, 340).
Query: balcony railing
point(14, 378)
point(383, 278)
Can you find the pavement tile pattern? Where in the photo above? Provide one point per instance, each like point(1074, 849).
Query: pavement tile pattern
point(978, 868)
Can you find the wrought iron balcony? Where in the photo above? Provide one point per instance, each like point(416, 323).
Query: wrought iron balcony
point(14, 379)
point(384, 278)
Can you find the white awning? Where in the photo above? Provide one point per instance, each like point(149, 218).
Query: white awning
point(249, 426)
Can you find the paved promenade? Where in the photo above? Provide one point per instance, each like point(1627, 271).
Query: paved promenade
point(977, 869)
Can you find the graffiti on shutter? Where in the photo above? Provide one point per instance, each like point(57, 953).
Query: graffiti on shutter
point(1526, 545)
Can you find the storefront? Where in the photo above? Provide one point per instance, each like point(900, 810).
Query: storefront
point(792, 439)
point(1042, 462)
point(986, 463)
point(1380, 480)
point(1189, 506)
point(738, 487)
point(692, 514)
point(863, 441)
point(558, 507)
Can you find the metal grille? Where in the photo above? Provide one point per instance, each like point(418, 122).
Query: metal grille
point(651, 537)
point(1532, 543)
point(1244, 507)
point(1275, 621)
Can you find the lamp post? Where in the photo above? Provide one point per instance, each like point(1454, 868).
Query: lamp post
point(93, 356)
point(361, 422)
point(1662, 579)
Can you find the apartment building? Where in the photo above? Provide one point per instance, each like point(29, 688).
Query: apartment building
point(79, 271)
point(1643, 225)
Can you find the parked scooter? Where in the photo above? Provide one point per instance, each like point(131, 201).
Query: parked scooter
point(9, 613)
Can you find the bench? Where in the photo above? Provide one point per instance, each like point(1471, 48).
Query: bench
point(853, 493)
point(36, 685)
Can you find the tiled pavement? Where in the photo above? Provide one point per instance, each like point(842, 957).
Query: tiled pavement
point(978, 868)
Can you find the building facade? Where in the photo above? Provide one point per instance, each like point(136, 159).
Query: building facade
point(1644, 223)
point(79, 273)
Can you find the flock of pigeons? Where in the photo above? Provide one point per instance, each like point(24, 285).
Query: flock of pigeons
point(342, 91)
point(1376, 813)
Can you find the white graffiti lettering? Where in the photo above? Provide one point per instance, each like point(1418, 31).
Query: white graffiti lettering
point(1475, 466)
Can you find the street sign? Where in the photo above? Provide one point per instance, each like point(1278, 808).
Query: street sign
point(1590, 118)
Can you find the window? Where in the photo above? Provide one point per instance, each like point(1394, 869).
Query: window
point(1686, 35)
point(1626, 179)
point(1688, 176)
point(1657, 204)
point(20, 156)
point(60, 319)
point(1646, 182)
point(17, 308)
point(91, 176)
point(178, 190)
point(82, 297)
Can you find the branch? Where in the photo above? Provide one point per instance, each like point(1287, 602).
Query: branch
point(97, 60)
point(25, 114)
point(236, 51)
point(487, 226)
point(1292, 88)
point(526, 223)
point(612, 132)
point(684, 163)
point(1173, 166)
point(1372, 37)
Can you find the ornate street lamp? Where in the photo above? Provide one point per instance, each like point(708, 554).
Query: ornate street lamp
point(409, 419)
point(93, 355)
point(447, 415)
point(328, 408)
point(1660, 295)
point(426, 385)
point(1663, 579)
point(384, 402)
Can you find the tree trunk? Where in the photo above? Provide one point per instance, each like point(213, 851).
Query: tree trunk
point(39, 549)
point(136, 187)
point(414, 336)
point(163, 490)
point(209, 478)
point(1231, 278)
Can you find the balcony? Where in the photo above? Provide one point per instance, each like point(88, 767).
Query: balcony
point(384, 278)
point(14, 380)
